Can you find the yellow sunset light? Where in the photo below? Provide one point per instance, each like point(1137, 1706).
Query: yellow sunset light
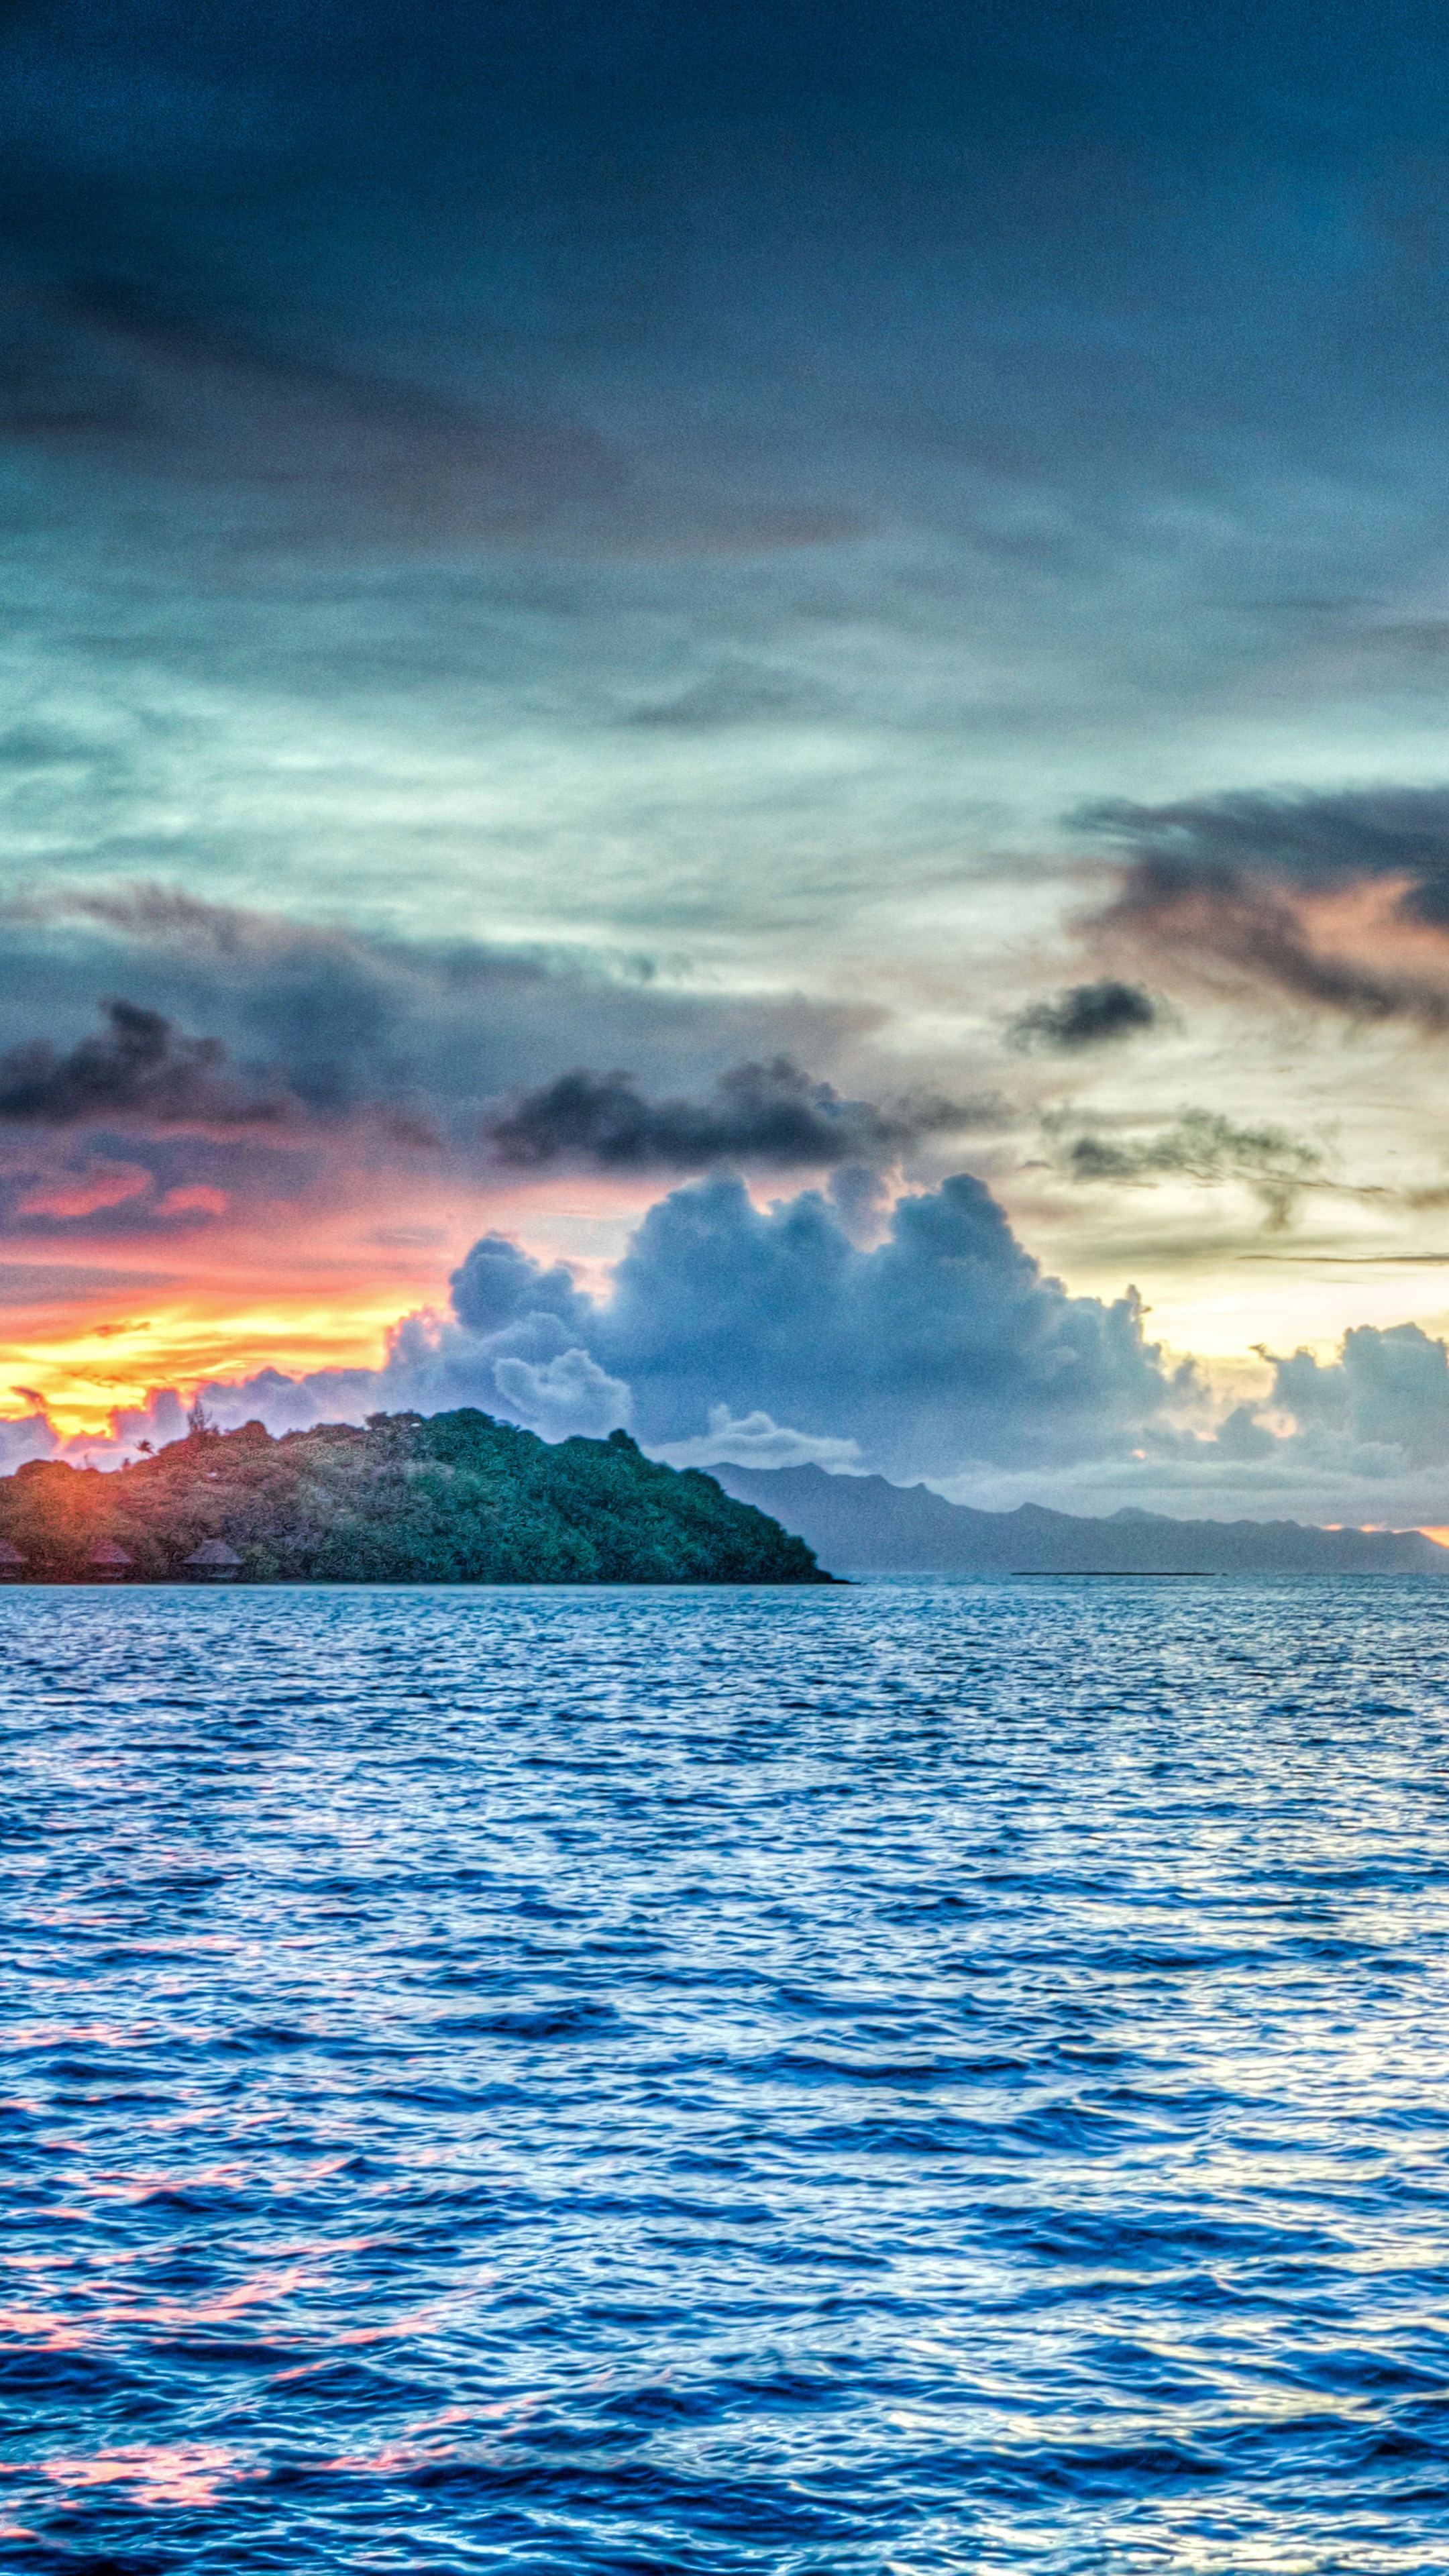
point(83, 1375)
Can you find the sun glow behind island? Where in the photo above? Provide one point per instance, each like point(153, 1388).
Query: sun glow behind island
point(90, 1338)
point(84, 1375)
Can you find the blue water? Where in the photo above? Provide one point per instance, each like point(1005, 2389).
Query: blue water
point(904, 2080)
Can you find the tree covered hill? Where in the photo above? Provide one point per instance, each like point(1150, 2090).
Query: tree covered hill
point(458, 1498)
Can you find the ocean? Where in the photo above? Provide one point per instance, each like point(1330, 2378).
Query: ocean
point(904, 2079)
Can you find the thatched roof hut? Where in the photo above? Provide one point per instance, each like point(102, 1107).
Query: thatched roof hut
point(214, 1559)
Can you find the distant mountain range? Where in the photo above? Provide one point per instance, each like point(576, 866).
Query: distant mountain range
point(863, 1525)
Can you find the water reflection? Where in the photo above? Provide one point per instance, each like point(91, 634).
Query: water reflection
point(912, 2081)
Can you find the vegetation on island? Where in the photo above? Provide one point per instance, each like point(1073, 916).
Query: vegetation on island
point(455, 1498)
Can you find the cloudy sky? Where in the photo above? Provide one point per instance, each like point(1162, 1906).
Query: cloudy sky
point(734, 719)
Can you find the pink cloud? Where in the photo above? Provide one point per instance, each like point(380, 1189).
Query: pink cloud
point(100, 1185)
point(195, 1200)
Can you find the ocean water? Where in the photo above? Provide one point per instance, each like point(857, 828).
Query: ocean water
point(905, 2079)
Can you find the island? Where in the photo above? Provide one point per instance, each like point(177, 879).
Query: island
point(451, 1498)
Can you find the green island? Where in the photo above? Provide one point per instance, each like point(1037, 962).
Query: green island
point(454, 1498)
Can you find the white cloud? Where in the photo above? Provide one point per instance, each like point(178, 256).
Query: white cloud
point(567, 1394)
point(758, 1441)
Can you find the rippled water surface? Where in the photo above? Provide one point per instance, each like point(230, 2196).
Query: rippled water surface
point(902, 2079)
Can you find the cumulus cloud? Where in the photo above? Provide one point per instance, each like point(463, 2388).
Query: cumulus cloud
point(773, 1113)
point(1087, 1015)
point(1359, 1438)
point(1383, 1403)
point(1200, 1146)
point(768, 1338)
point(759, 1441)
point(513, 1344)
point(28, 1435)
point(567, 1394)
point(943, 1343)
point(772, 1334)
point(498, 1283)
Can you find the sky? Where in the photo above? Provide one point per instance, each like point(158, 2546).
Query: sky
point(733, 720)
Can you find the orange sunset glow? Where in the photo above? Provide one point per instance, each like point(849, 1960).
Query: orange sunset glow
point(85, 1372)
point(246, 1290)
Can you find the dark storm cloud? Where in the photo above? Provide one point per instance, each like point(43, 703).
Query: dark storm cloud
point(895, 235)
point(772, 1113)
point(1313, 840)
point(1087, 1015)
point(426, 1036)
point(140, 1068)
point(1225, 879)
point(1201, 1146)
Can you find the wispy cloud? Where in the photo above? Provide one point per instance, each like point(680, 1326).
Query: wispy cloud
point(1301, 837)
point(1200, 1146)
point(98, 369)
point(1340, 902)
